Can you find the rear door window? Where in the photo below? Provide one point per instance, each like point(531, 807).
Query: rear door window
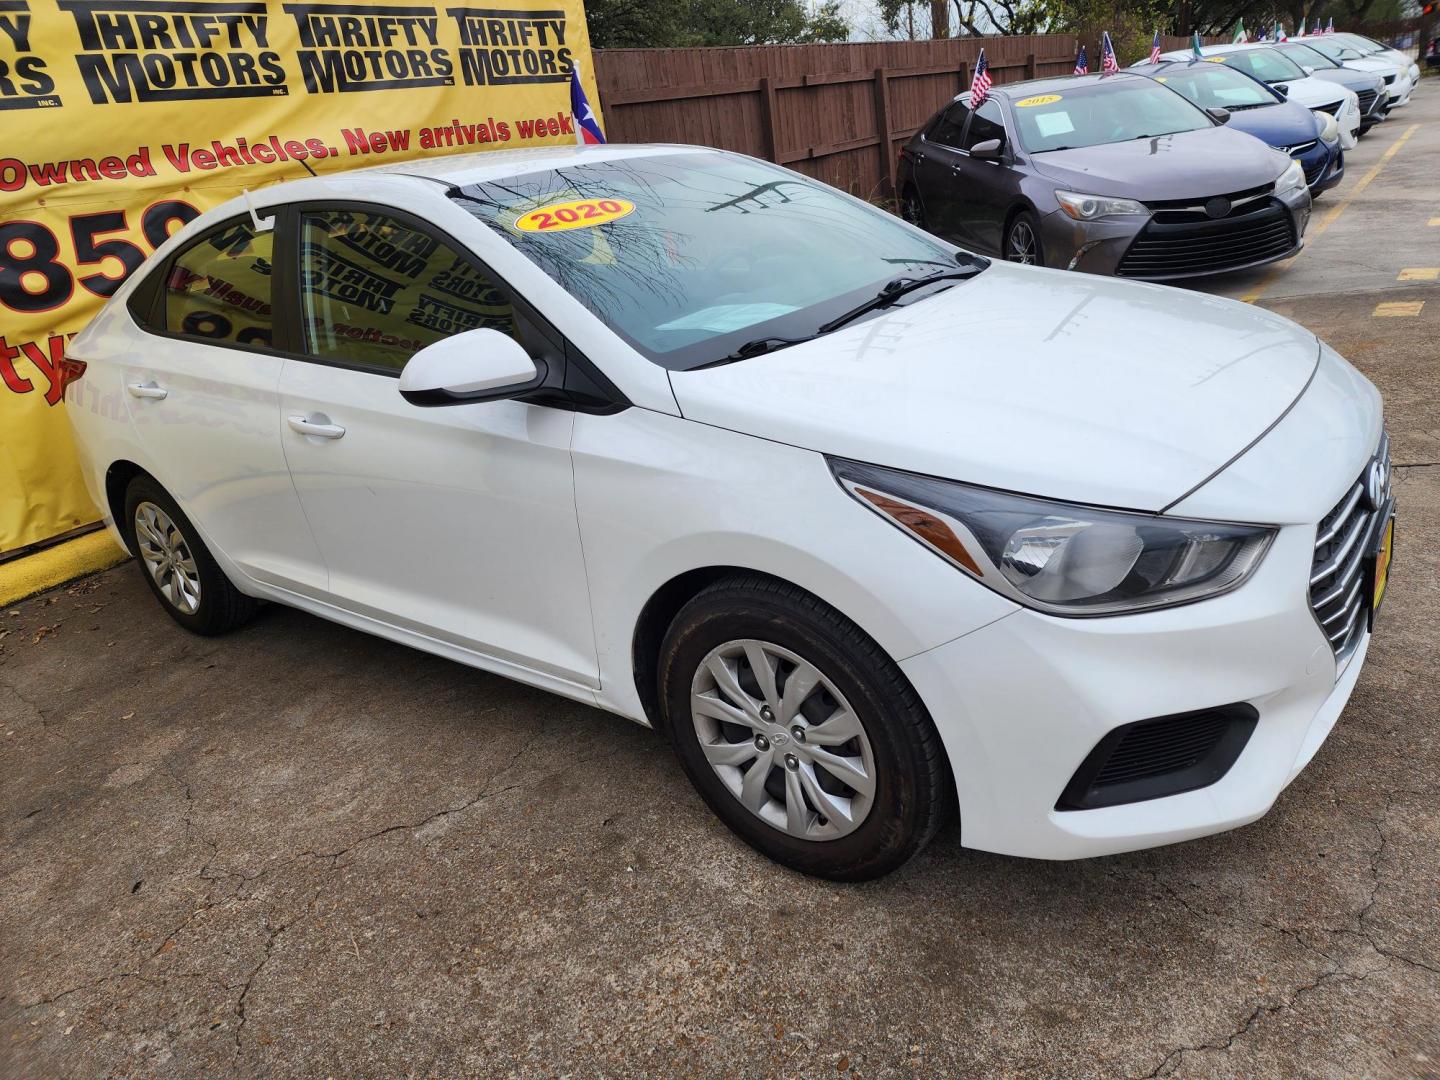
point(219, 288)
point(950, 128)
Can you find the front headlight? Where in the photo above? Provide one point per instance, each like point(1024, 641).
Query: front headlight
point(1329, 126)
point(1292, 179)
point(1087, 207)
point(1060, 557)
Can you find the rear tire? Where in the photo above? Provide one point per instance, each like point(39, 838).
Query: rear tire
point(1022, 240)
point(177, 566)
point(911, 209)
point(855, 778)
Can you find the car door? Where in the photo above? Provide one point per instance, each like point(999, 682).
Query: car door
point(456, 522)
point(202, 383)
point(988, 185)
point(934, 170)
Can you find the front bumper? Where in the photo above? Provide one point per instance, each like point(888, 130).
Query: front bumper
point(1100, 246)
point(1324, 166)
point(1021, 703)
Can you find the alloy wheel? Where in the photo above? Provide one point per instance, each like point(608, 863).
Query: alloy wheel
point(167, 558)
point(910, 209)
point(783, 739)
point(1022, 246)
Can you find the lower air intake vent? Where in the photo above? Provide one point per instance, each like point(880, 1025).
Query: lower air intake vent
point(1166, 755)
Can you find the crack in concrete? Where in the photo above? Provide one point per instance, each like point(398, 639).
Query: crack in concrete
point(1177, 1055)
point(38, 710)
point(1337, 969)
point(240, 1002)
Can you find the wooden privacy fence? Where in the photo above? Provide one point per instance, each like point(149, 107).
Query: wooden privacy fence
point(835, 112)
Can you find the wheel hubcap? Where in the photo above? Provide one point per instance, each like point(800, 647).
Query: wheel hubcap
point(167, 558)
point(783, 739)
point(1022, 244)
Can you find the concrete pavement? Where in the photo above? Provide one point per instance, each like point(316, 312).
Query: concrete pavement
point(303, 852)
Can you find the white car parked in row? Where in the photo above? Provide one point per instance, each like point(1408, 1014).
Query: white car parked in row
point(867, 524)
point(1260, 61)
point(1407, 71)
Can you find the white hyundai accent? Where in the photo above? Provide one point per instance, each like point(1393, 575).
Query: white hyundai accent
point(868, 525)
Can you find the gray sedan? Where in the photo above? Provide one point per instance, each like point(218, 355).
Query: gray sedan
point(1110, 174)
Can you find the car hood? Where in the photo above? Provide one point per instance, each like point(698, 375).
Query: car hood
point(1283, 124)
point(1186, 165)
point(1313, 93)
point(1038, 381)
point(1351, 78)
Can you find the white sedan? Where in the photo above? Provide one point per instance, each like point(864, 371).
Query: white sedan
point(870, 526)
point(1260, 61)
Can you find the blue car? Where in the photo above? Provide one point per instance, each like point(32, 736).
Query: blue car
point(1310, 137)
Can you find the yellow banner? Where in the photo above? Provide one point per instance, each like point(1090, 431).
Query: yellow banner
point(124, 119)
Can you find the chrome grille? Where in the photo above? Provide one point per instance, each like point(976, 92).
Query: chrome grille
point(1333, 108)
point(1389, 80)
point(1300, 148)
point(1367, 100)
point(1343, 539)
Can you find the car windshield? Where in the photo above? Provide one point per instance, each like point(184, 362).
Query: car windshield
point(1108, 110)
point(1362, 44)
point(1267, 65)
point(1308, 56)
point(1332, 50)
point(1215, 86)
point(691, 256)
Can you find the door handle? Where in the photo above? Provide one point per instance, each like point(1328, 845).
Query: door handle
point(147, 390)
point(318, 425)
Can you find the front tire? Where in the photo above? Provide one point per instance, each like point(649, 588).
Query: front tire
point(1022, 240)
point(177, 566)
point(800, 733)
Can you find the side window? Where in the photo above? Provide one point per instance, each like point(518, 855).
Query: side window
point(219, 287)
point(375, 291)
point(987, 123)
point(950, 126)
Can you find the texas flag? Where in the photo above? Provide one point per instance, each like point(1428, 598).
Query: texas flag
point(587, 128)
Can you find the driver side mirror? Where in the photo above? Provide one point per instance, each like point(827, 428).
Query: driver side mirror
point(1219, 115)
point(988, 150)
point(477, 365)
point(1307, 69)
point(1282, 89)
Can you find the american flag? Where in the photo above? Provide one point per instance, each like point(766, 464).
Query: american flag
point(1108, 64)
point(1318, 29)
point(1155, 48)
point(1330, 27)
point(1082, 65)
point(980, 85)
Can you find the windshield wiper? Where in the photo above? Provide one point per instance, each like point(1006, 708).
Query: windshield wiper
point(962, 258)
point(892, 291)
point(884, 298)
point(758, 347)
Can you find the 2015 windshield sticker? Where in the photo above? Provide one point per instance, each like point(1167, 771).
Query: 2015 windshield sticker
point(1041, 99)
point(575, 214)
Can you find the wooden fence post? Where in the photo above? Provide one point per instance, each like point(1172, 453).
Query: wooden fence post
point(767, 119)
point(882, 125)
point(964, 76)
point(1030, 66)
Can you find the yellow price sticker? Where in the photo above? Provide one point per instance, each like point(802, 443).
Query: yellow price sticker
point(1214, 59)
point(1041, 99)
point(575, 214)
point(1161, 78)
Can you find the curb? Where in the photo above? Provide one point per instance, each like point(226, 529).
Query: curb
point(56, 565)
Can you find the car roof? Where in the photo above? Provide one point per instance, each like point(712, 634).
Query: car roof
point(1051, 84)
point(482, 165)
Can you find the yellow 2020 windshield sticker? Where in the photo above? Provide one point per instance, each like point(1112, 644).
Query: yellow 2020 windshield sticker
point(574, 214)
point(1041, 99)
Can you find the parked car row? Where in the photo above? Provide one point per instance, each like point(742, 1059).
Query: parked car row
point(1190, 166)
